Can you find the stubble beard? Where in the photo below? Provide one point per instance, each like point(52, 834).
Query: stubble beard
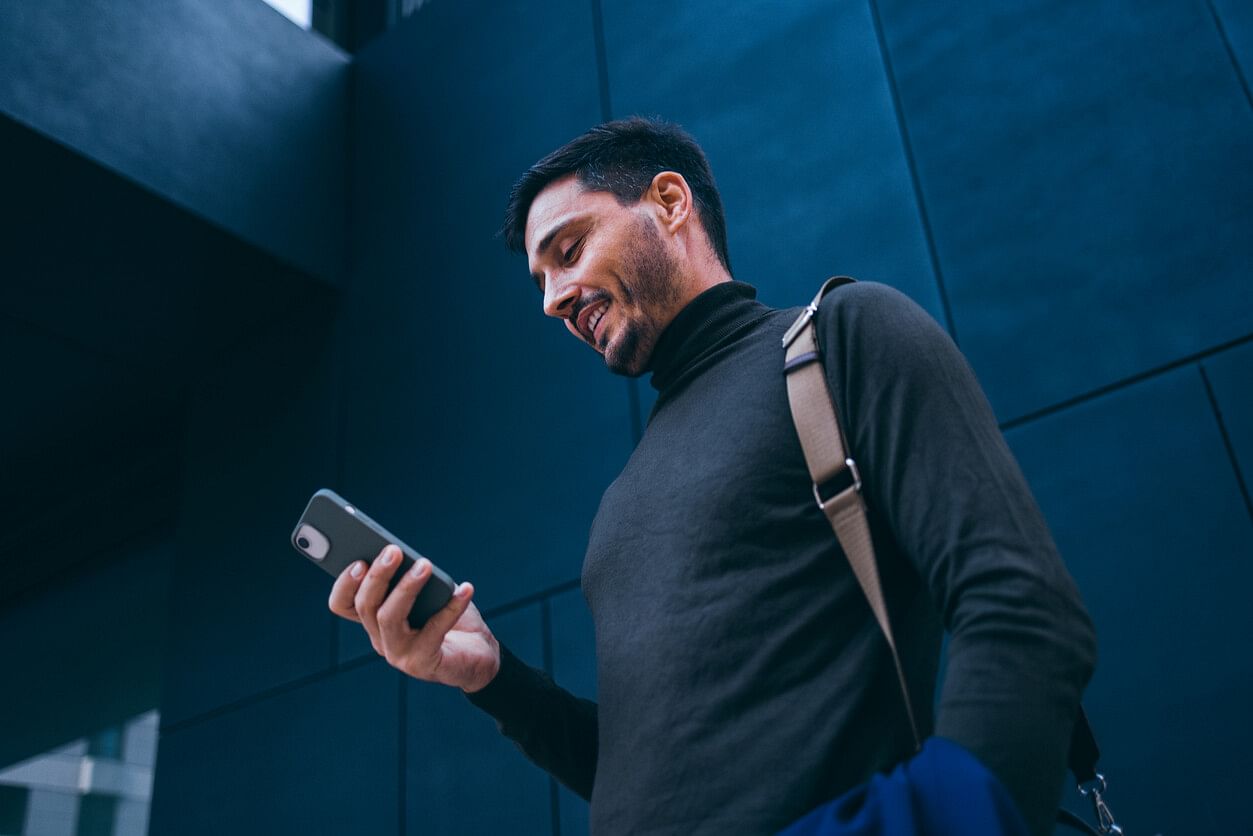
point(651, 289)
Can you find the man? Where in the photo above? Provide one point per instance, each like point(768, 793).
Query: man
point(742, 677)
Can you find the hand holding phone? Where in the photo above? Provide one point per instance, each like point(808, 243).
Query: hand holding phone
point(416, 617)
point(334, 534)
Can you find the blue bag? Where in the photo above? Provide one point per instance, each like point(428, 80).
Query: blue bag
point(942, 791)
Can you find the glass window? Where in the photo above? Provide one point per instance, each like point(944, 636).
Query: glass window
point(97, 786)
point(299, 12)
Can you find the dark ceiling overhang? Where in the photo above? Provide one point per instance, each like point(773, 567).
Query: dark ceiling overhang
point(113, 301)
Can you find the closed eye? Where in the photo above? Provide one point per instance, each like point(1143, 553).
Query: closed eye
point(573, 252)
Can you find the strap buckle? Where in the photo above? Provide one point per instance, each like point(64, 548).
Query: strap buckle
point(848, 479)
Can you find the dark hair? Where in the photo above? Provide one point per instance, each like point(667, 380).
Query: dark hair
point(622, 158)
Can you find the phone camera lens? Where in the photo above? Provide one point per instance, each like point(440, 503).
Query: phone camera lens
point(303, 542)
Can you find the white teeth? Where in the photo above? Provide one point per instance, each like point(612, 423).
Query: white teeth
point(594, 320)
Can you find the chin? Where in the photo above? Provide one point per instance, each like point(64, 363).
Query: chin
point(627, 355)
point(625, 369)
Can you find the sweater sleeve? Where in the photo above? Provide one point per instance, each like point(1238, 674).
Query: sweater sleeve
point(554, 729)
point(936, 467)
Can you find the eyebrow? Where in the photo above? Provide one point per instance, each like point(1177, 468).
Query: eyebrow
point(548, 241)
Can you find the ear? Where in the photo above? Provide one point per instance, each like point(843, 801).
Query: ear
point(671, 199)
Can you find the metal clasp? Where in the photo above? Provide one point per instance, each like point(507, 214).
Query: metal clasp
point(1104, 817)
point(799, 324)
point(855, 485)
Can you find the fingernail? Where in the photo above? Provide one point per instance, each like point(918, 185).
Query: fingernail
point(463, 589)
point(389, 556)
point(358, 569)
point(420, 567)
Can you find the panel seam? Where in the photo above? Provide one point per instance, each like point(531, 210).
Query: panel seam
point(1231, 53)
point(339, 341)
point(546, 638)
point(352, 664)
point(533, 598)
point(402, 747)
point(1021, 420)
point(602, 61)
point(1222, 430)
point(263, 695)
point(908, 149)
point(606, 113)
point(342, 667)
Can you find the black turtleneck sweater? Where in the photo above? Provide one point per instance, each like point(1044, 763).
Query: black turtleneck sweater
point(742, 678)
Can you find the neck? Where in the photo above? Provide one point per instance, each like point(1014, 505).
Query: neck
point(700, 327)
point(696, 279)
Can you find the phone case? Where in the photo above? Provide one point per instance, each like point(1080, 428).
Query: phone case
point(354, 536)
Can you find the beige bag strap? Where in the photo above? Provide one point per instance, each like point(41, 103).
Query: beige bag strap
point(837, 490)
point(837, 483)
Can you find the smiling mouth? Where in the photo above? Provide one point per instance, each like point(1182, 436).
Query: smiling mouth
point(591, 319)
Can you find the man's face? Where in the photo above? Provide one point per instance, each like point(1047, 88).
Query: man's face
point(604, 269)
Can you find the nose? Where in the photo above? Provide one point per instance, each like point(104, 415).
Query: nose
point(559, 297)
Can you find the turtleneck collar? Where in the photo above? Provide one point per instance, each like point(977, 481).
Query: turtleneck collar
point(701, 327)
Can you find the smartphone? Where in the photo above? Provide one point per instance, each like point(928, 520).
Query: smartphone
point(332, 533)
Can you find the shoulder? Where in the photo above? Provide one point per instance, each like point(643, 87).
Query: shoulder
point(869, 313)
point(866, 299)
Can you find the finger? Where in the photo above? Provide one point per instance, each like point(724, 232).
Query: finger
point(345, 589)
point(373, 590)
point(393, 615)
point(431, 636)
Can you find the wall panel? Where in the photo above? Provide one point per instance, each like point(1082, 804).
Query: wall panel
point(1090, 201)
point(320, 758)
point(1139, 492)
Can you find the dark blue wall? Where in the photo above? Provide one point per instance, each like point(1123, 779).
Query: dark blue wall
point(98, 633)
point(1090, 200)
point(1066, 186)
